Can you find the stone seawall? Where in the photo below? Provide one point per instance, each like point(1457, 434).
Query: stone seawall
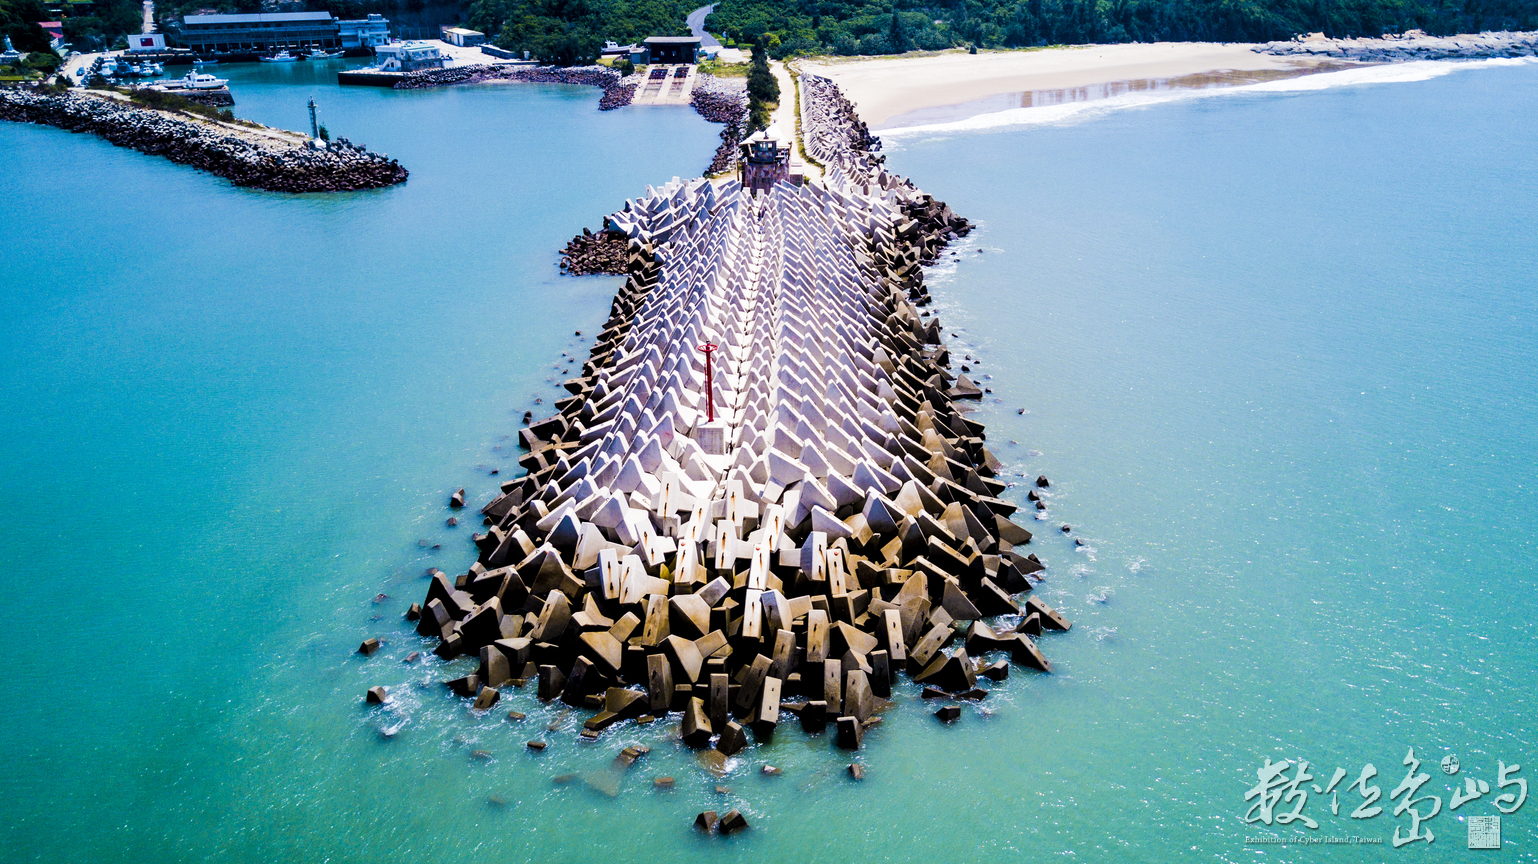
point(724, 102)
point(617, 92)
point(256, 157)
point(838, 526)
point(1412, 45)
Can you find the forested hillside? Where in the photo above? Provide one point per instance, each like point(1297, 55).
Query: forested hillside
point(572, 31)
point(832, 27)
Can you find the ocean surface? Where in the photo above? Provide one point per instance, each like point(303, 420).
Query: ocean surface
point(1277, 350)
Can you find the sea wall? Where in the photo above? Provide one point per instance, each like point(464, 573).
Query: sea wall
point(838, 526)
point(1412, 45)
point(257, 157)
point(723, 101)
point(617, 91)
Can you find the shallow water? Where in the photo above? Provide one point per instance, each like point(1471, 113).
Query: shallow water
point(1278, 354)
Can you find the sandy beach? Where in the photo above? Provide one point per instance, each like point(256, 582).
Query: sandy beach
point(884, 89)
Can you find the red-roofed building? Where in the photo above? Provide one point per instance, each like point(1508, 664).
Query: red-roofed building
point(55, 31)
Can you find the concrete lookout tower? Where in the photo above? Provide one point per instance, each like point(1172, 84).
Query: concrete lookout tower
point(765, 161)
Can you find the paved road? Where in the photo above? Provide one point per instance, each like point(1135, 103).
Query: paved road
point(696, 21)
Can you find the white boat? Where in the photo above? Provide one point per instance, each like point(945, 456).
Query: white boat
point(318, 54)
point(205, 62)
point(280, 57)
point(195, 80)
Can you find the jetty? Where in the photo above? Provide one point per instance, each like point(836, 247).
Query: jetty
point(247, 154)
point(764, 497)
point(1410, 45)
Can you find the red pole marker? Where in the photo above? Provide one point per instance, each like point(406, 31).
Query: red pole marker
point(710, 390)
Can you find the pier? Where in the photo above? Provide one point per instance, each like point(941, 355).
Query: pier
point(763, 498)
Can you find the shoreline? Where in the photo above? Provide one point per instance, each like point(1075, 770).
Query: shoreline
point(892, 93)
point(887, 88)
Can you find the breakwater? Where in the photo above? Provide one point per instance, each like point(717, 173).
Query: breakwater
point(724, 102)
point(245, 154)
point(1411, 45)
point(617, 92)
point(783, 527)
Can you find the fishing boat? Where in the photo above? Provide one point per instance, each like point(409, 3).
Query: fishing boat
point(280, 57)
point(318, 54)
point(196, 80)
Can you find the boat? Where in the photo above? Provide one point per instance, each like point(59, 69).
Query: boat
point(280, 57)
point(205, 62)
point(318, 54)
point(196, 80)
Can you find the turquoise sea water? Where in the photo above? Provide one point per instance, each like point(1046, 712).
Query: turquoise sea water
point(1278, 352)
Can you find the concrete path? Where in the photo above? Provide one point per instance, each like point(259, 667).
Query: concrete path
point(696, 22)
point(783, 122)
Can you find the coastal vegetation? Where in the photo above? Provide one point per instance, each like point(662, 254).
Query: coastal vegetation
point(802, 27)
point(18, 20)
point(763, 89)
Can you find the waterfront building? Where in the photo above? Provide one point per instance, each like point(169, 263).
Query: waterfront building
point(670, 49)
point(409, 57)
point(462, 37)
point(261, 32)
point(364, 32)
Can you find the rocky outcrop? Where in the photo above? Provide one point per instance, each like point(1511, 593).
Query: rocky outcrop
point(257, 157)
point(722, 101)
point(617, 91)
point(1412, 45)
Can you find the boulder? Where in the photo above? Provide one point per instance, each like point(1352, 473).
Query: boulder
point(732, 822)
point(486, 699)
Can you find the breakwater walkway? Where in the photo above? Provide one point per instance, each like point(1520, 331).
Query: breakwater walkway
point(244, 153)
point(783, 526)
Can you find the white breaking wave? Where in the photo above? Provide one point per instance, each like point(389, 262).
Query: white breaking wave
point(1395, 73)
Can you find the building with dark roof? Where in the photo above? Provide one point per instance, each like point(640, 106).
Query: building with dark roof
point(671, 49)
point(260, 33)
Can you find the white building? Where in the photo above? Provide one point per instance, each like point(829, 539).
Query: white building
point(365, 32)
point(409, 57)
point(462, 37)
point(146, 42)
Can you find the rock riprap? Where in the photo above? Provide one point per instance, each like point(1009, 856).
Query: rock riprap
point(617, 91)
point(725, 101)
point(605, 252)
point(1411, 45)
point(247, 155)
point(837, 525)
